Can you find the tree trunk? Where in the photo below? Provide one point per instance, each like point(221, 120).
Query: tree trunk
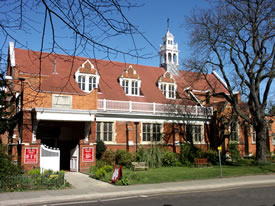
point(261, 142)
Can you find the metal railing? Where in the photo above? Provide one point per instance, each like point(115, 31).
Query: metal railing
point(152, 108)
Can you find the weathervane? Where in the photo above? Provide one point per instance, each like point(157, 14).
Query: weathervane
point(167, 24)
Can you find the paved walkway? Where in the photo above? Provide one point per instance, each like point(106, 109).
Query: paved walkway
point(85, 188)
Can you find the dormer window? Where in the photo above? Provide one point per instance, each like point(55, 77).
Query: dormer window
point(168, 90)
point(167, 85)
point(130, 82)
point(87, 77)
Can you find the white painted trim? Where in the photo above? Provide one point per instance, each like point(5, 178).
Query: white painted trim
point(220, 79)
point(197, 100)
point(64, 114)
point(12, 54)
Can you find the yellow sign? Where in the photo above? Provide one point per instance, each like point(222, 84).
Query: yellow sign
point(219, 148)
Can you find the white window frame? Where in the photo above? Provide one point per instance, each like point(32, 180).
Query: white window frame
point(102, 132)
point(193, 132)
point(167, 92)
point(88, 87)
point(151, 132)
point(85, 85)
point(253, 135)
point(130, 89)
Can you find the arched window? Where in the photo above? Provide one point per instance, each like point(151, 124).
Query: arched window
point(169, 57)
point(175, 58)
point(165, 59)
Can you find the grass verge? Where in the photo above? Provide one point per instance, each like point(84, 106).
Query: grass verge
point(173, 174)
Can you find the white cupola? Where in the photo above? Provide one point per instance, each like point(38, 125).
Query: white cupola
point(169, 54)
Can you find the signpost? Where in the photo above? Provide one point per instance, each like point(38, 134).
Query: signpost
point(220, 160)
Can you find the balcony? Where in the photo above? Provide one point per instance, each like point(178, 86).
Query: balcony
point(152, 108)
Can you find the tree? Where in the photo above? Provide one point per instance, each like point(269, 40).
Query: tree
point(87, 25)
point(237, 38)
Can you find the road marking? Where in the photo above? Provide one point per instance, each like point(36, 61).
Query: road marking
point(76, 202)
point(119, 198)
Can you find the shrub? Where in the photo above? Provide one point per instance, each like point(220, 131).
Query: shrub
point(152, 156)
point(123, 158)
point(212, 156)
point(168, 158)
point(109, 157)
point(100, 149)
point(188, 153)
point(235, 153)
point(108, 168)
point(100, 173)
point(34, 172)
point(101, 163)
point(140, 154)
point(8, 168)
point(123, 181)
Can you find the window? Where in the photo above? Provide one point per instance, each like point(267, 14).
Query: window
point(194, 133)
point(171, 91)
point(92, 83)
point(134, 87)
point(273, 138)
point(125, 86)
point(234, 131)
point(163, 89)
point(104, 131)
point(87, 82)
point(168, 90)
point(253, 136)
point(81, 82)
point(151, 132)
point(130, 86)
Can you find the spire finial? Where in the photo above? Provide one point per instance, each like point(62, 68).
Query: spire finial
point(168, 24)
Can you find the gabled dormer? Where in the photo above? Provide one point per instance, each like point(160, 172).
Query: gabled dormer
point(167, 84)
point(130, 81)
point(87, 77)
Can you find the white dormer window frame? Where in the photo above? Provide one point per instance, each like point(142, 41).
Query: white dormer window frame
point(168, 89)
point(87, 82)
point(131, 87)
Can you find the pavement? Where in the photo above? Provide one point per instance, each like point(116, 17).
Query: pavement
point(85, 188)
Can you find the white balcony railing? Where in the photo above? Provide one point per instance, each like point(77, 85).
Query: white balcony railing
point(153, 108)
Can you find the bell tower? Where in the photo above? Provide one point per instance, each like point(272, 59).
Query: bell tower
point(169, 53)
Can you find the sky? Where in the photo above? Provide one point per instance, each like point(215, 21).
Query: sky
point(150, 18)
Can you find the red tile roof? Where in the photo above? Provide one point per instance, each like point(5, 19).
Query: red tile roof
point(109, 88)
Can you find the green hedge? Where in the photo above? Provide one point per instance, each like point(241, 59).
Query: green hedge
point(33, 180)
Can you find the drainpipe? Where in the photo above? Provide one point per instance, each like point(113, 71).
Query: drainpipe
point(21, 103)
point(136, 123)
point(127, 137)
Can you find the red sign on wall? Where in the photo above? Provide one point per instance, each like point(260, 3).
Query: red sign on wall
point(31, 155)
point(87, 154)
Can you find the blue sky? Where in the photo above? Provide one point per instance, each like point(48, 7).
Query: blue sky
point(151, 20)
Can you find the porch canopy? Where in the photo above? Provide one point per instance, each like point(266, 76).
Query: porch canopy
point(57, 114)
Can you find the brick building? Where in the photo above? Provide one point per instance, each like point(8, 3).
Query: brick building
point(66, 103)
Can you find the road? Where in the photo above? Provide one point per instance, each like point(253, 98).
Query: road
point(259, 196)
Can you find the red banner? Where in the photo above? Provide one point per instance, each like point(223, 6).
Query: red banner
point(87, 154)
point(31, 155)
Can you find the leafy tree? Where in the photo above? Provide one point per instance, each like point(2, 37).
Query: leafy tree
point(237, 38)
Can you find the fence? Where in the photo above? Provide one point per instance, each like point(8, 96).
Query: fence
point(153, 108)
